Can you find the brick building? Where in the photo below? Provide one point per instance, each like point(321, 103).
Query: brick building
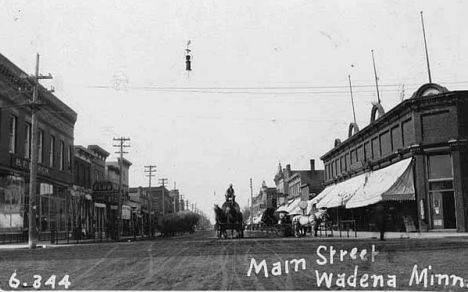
point(98, 174)
point(81, 200)
point(56, 123)
point(267, 197)
point(412, 159)
point(158, 196)
point(295, 185)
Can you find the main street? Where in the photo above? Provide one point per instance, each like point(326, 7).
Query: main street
point(200, 261)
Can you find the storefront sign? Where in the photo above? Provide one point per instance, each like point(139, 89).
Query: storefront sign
point(105, 197)
point(21, 163)
point(103, 186)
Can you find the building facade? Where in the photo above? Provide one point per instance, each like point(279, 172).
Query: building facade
point(294, 186)
point(98, 175)
point(56, 123)
point(267, 197)
point(158, 202)
point(175, 196)
point(413, 159)
point(82, 206)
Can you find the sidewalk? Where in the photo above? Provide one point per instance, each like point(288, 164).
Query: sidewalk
point(63, 242)
point(351, 235)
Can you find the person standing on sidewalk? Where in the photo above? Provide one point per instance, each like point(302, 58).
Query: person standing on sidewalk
point(381, 218)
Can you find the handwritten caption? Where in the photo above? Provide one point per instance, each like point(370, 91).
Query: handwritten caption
point(425, 277)
point(37, 282)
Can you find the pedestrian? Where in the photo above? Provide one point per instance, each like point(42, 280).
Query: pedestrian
point(381, 216)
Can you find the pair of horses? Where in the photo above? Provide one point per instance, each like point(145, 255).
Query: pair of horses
point(300, 223)
point(229, 218)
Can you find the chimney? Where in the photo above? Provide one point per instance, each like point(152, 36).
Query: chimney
point(312, 164)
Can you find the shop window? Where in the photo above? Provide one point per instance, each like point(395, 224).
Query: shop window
point(440, 166)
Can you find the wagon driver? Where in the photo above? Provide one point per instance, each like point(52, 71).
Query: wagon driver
point(230, 194)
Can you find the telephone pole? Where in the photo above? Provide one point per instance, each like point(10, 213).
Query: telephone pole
point(163, 182)
point(150, 169)
point(35, 106)
point(121, 146)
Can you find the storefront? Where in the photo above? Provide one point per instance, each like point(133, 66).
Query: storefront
point(411, 160)
point(12, 190)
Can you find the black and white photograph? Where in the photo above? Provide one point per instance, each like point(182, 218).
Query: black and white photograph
point(242, 145)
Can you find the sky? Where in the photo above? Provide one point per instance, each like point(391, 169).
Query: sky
point(269, 81)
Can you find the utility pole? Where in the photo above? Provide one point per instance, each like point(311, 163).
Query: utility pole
point(150, 169)
point(163, 182)
point(121, 146)
point(35, 106)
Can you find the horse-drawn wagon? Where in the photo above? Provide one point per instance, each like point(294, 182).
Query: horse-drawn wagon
point(271, 225)
point(229, 217)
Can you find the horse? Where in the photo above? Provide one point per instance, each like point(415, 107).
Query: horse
point(228, 216)
point(313, 220)
point(234, 217)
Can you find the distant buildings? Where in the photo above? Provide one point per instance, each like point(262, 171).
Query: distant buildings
point(266, 198)
point(77, 188)
point(293, 186)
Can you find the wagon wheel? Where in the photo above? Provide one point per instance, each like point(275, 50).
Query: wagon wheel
point(280, 230)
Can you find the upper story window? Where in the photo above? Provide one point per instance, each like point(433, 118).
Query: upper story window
point(62, 155)
point(13, 130)
point(70, 151)
point(41, 147)
point(52, 151)
point(27, 141)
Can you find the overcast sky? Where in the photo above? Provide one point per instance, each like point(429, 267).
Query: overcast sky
point(269, 82)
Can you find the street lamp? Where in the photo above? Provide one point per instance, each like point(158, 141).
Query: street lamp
point(134, 222)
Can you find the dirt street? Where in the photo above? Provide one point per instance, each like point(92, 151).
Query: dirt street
point(201, 262)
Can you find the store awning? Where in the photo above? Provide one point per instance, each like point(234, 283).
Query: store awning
point(337, 195)
point(392, 183)
point(282, 208)
point(257, 219)
point(293, 204)
point(323, 194)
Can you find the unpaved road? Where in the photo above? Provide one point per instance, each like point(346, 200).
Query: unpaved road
point(201, 262)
